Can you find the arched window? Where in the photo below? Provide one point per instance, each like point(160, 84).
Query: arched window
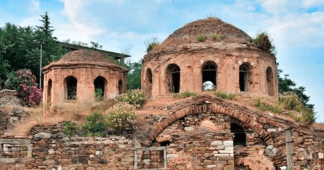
point(270, 82)
point(71, 88)
point(209, 72)
point(120, 87)
point(149, 82)
point(173, 78)
point(244, 77)
point(100, 84)
point(239, 134)
point(49, 91)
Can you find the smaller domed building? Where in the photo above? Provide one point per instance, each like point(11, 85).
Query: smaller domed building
point(224, 56)
point(79, 74)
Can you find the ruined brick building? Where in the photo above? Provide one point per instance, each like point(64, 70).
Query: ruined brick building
point(77, 75)
point(230, 62)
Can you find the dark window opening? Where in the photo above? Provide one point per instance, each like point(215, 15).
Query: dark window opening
point(120, 87)
point(149, 82)
point(174, 75)
point(270, 82)
point(239, 134)
point(209, 76)
point(165, 143)
point(49, 91)
point(244, 77)
point(99, 84)
point(71, 87)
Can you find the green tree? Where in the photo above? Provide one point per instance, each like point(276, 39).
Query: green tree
point(134, 74)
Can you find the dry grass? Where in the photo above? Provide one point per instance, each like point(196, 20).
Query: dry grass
point(318, 126)
point(45, 115)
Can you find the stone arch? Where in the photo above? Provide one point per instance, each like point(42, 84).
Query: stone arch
point(120, 87)
point(209, 73)
point(244, 76)
point(100, 84)
point(149, 81)
point(270, 81)
point(173, 78)
point(70, 86)
point(49, 91)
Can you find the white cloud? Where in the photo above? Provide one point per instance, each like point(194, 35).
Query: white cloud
point(31, 21)
point(313, 3)
point(77, 29)
point(35, 5)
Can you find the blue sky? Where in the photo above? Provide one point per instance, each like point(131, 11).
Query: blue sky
point(296, 26)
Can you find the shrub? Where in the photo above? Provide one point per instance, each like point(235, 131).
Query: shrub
point(24, 82)
point(121, 117)
point(201, 38)
point(290, 101)
point(262, 41)
point(214, 36)
point(70, 128)
point(223, 95)
point(276, 108)
point(222, 37)
point(98, 94)
point(94, 125)
point(151, 44)
point(261, 103)
point(184, 94)
point(134, 97)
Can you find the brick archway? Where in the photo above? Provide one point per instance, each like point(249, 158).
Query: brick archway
point(202, 104)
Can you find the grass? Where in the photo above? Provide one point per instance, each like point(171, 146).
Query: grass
point(222, 37)
point(290, 102)
point(229, 96)
point(44, 115)
point(201, 38)
point(184, 94)
point(214, 36)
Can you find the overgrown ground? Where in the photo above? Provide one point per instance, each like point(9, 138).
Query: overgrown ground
point(151, 110)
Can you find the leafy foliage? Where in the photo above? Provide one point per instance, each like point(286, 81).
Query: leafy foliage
point(70, 128)
point(150, 44)
point(95, 125)
point(20, 47)
point(98, 94)
point(263, 42)
point(214, 36)
point(134, 74)
point(121, 117)
point(229, 96)
point(133, 97)
point(184, 94)
point(24, 82)
point(201, 38)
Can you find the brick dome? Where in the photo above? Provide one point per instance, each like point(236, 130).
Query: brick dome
point(85, 56)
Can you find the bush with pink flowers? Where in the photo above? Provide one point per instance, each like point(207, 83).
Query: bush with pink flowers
point(24, 82)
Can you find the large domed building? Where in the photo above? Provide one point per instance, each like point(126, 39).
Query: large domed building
point(224, 56)
point(78, 74)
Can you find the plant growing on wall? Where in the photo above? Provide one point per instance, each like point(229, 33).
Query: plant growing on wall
point(201, 38)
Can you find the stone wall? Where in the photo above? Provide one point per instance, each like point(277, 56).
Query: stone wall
point(7, 92)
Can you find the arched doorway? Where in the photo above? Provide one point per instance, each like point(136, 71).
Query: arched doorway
point(244, 77)
point(149, 81)
point(173, 78)
point(270, 81)
point(239, 135)
point(71, 88)
point(99, 84)
point(209, 79)
point(120, 87)
point(49, 91)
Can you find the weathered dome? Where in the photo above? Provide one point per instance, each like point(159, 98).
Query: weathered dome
point(207, 27)
point(185, 38)
point(85, 56)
